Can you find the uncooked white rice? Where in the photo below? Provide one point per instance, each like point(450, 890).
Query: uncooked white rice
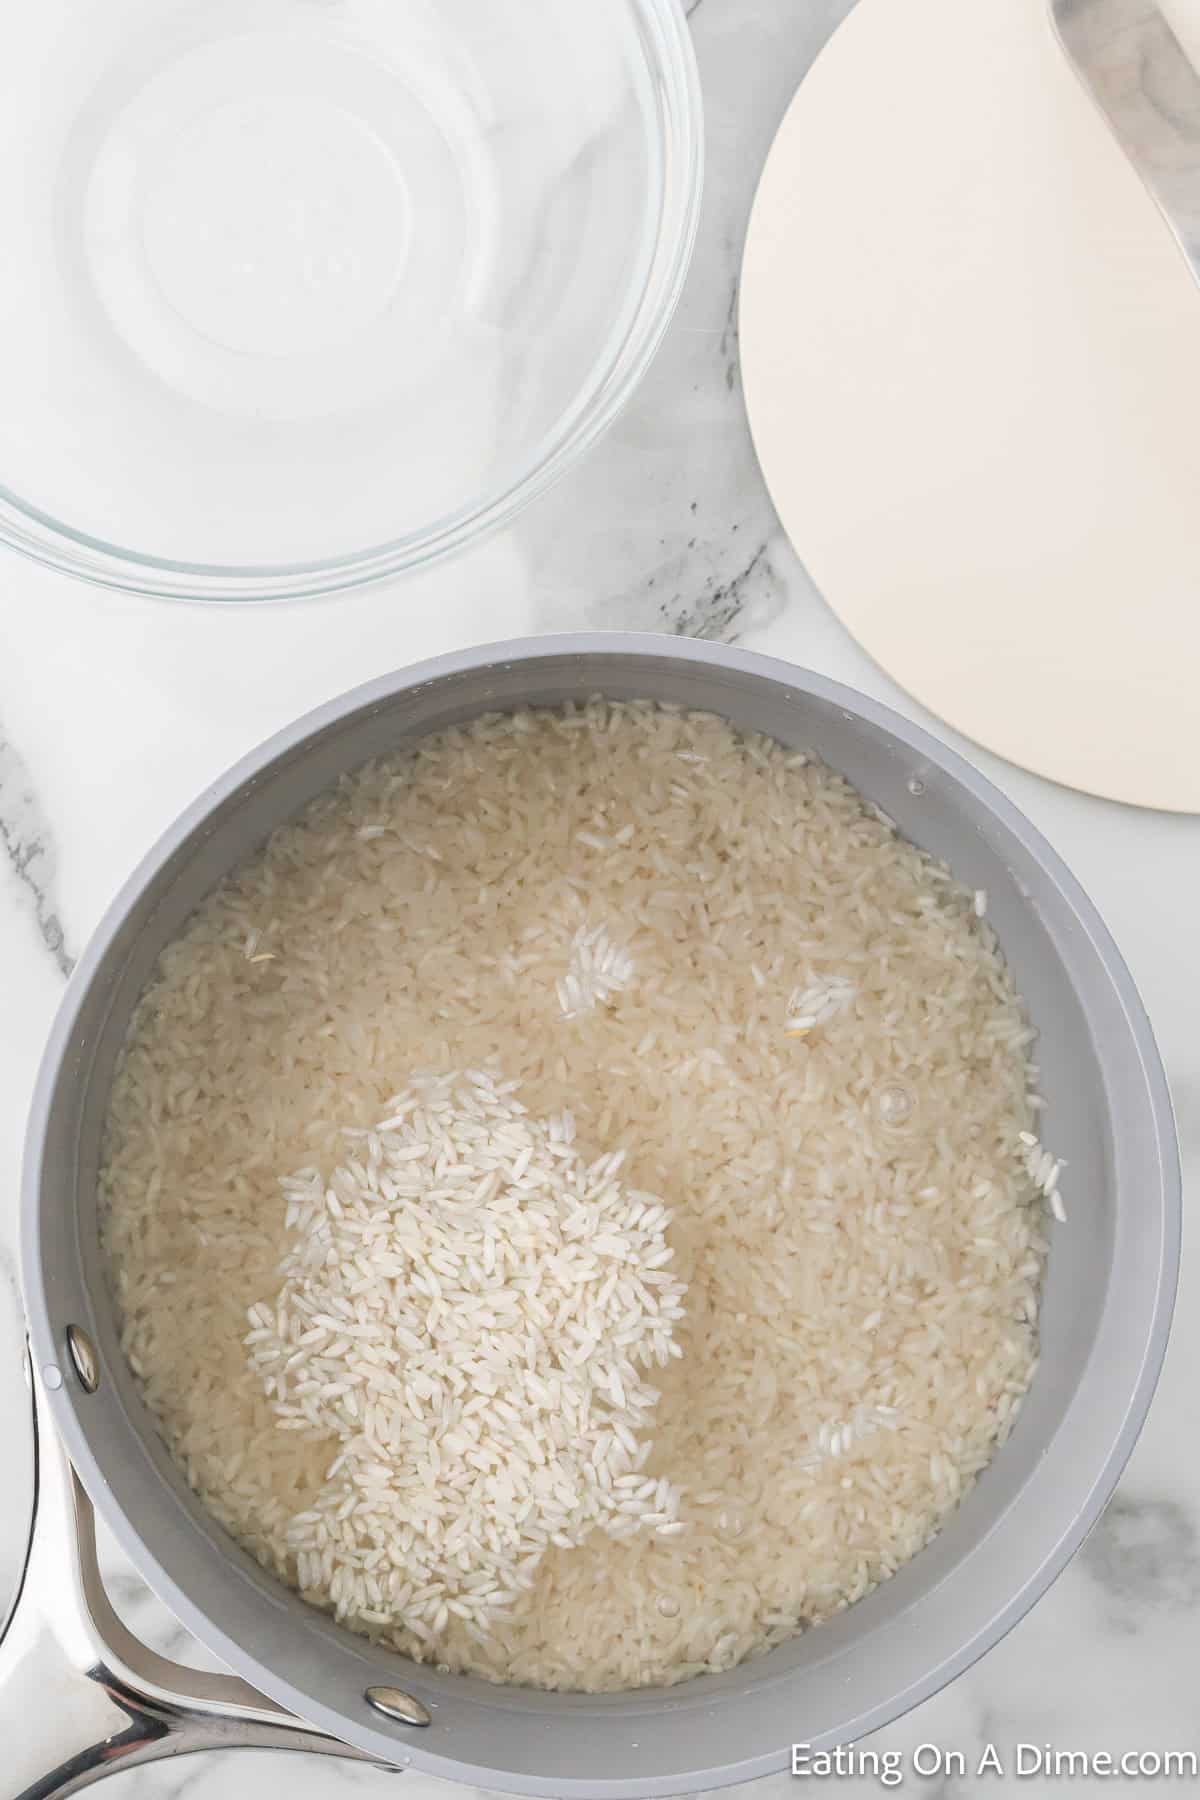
point(598, 968)
point(466, 1311)
point(857, 1220)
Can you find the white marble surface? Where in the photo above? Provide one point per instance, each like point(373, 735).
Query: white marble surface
point(114, 712)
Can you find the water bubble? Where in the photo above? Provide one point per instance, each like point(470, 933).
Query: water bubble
point(668, 1606)
point(916, 786)
point(895, 1104)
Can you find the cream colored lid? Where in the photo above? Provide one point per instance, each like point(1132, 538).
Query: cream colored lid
point(971, 353)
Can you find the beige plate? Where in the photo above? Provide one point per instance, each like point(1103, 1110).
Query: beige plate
point(971, 352)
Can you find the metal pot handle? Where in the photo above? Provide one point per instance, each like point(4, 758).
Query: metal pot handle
point(82, 1694)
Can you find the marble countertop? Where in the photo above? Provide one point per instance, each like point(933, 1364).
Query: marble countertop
point(114, 712)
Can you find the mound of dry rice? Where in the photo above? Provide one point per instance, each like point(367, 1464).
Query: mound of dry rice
point(466, 1310)
point(798, 1030)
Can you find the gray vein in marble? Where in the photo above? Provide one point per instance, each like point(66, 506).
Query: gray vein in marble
point(265, 1772)
point(719, 610)
point(188, 1777)
point(139, 1608)
point(183, 1775)
point(944, 1787)
point(8, 1273)
point(727, 344)
point(988, 1729)
point(29, 847)
point(1144, 1553)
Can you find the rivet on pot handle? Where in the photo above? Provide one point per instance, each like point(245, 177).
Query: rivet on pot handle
point(92, 1699)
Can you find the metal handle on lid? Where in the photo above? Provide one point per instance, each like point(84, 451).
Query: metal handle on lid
point(87, 1697)
point(1135, 68)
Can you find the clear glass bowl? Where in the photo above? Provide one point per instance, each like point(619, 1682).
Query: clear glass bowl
point(297, 294)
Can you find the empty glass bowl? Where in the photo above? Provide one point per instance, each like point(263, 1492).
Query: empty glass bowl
point(296, 294)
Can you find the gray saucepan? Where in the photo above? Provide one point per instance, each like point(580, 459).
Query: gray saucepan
point(102, 1701)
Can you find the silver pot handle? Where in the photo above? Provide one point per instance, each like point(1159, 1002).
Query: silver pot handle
point(82, 1696)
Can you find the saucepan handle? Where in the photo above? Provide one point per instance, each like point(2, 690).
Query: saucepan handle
point(80, 1696)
